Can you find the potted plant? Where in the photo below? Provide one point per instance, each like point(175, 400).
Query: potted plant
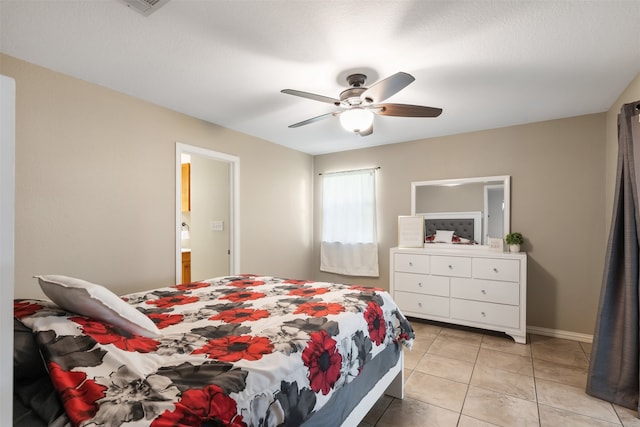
point(514, 240)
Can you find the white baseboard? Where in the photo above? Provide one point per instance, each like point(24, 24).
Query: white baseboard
point(555, 333)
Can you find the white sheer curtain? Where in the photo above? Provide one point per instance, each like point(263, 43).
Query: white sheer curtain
point(349, 238)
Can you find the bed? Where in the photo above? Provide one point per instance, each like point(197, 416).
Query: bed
point(241, 350)
point(453, 227)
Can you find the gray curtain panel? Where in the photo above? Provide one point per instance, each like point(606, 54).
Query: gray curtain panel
point(614, 366)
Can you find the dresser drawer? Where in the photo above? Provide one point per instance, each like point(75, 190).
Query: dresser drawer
point(485, 290)
point(507, 270)
point(422, 284)
point(422, 304)
point(411, 263)
point(507, 316)
point(454, 266)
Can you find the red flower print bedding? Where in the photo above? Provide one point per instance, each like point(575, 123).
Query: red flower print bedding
point(234, 351)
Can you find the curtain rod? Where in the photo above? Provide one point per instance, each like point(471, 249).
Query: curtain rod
point(352, 170)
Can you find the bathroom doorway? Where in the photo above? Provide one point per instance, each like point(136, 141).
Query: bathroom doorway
point(206, 213)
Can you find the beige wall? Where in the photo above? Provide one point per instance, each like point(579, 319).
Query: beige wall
point(630, 94)
point(461, 198)
point(95, 187)
point(557, 197)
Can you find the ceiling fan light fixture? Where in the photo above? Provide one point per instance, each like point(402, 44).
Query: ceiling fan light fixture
point(356, 119)
point(358, 104)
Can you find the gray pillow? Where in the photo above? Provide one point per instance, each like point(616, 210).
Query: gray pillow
point(97, 302)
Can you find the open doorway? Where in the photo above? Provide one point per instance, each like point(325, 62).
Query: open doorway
point(207, 184)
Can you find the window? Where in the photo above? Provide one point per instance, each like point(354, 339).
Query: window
point(349, 238)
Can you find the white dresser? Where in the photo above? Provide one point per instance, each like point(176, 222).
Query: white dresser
point(471, 287)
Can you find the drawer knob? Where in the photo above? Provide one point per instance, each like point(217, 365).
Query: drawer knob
point(450, 267)
point(483, 314)
point(410, 264)
point(495, 270)
point(483, 292)
point(420, 284)
point(419, 304)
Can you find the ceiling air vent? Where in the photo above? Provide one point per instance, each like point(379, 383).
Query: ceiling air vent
point(145, 7)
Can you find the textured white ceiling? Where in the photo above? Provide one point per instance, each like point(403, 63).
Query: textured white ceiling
point(486, 63)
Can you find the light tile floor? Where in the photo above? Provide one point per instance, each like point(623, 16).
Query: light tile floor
point(473, 378)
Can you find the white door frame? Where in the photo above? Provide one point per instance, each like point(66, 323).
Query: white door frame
point(7, 244)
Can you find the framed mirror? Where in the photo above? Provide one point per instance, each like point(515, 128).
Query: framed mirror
point(479, 206)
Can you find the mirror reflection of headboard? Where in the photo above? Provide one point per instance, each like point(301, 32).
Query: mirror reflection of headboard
point(489, 195)
point(467, 225)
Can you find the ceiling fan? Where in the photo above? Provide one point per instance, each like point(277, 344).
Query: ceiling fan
point(358, 103)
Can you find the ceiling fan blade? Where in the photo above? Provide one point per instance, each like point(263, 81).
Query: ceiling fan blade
point(404, 110)
point(368, 131)
point(383, 89)
point(313, 96)
point(311, 120)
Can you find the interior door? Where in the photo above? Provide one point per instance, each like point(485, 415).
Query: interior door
point(209, 218)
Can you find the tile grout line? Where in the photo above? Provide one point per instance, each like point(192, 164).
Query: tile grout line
point(475, 362)
point(535, 382)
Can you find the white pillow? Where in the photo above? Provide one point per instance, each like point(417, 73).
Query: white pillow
point(443, 236)
point(97, 302)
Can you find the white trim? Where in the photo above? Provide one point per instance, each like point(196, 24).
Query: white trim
point(556, 333)
point(234, 192)
point(7, 244)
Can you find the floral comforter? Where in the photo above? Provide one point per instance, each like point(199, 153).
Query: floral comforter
point(234, 351)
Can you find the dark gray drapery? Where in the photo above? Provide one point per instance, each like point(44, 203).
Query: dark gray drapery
point(615, 362)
